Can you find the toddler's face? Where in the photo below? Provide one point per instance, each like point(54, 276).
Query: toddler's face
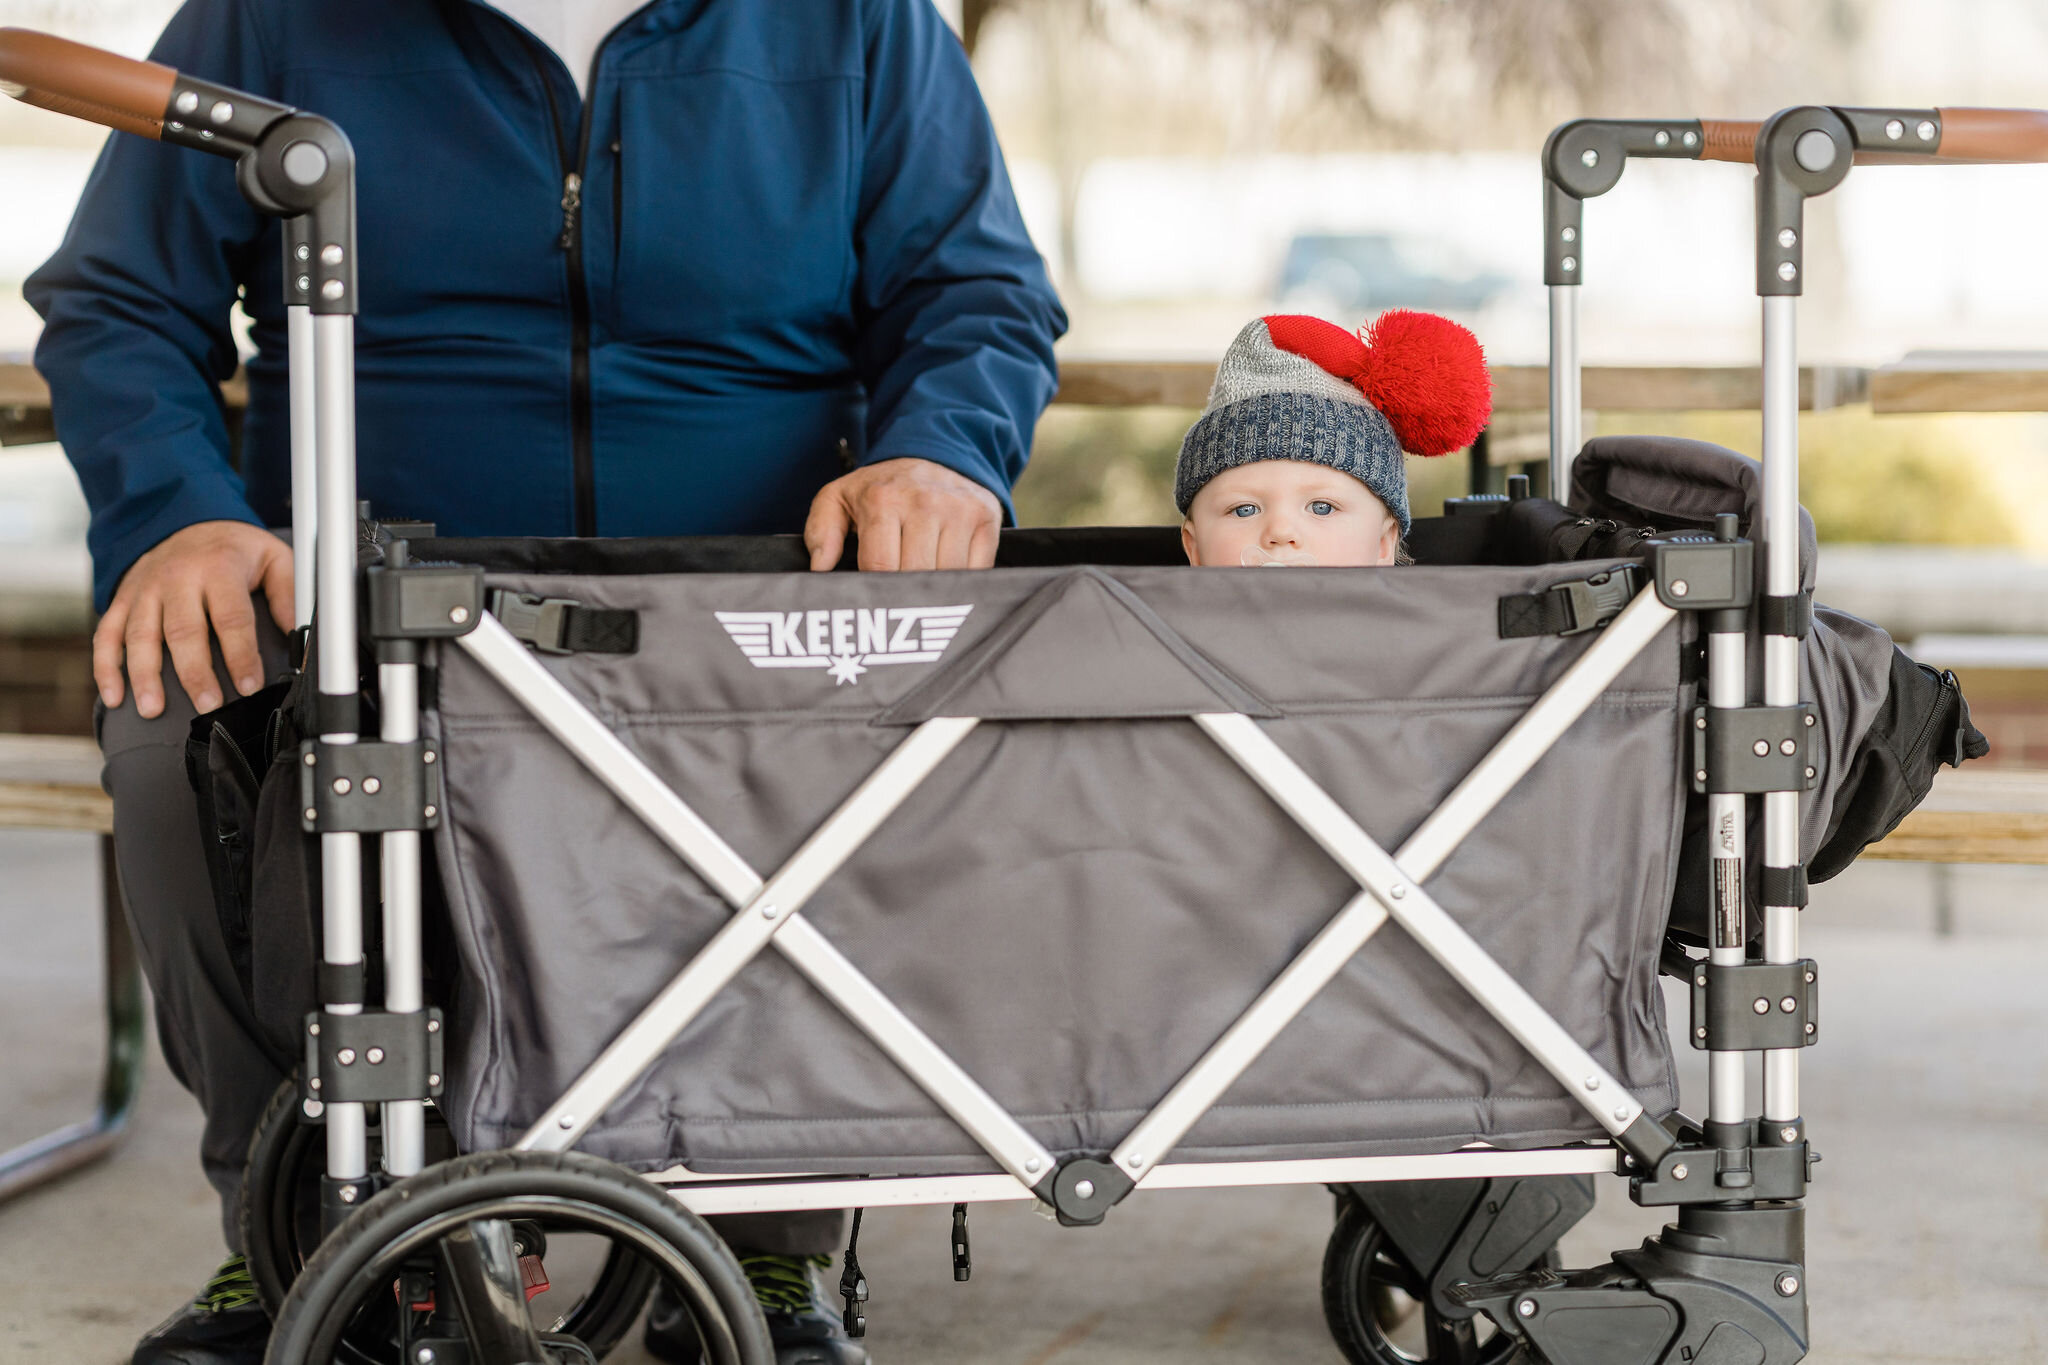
point(1288, 512)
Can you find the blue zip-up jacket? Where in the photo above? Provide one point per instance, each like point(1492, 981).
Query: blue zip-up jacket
point(775, 226)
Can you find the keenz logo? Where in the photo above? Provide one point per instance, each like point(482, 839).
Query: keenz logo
point(845, 641)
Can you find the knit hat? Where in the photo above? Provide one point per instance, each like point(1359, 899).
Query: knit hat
point(1299, 388)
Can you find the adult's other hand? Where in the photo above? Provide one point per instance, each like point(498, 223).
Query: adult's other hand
point(909, 514)
point(194, 585)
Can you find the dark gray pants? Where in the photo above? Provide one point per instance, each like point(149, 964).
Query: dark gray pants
point(209, 1033)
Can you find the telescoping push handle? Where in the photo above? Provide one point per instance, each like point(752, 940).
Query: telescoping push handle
point(300, 168)
point(1585, 158)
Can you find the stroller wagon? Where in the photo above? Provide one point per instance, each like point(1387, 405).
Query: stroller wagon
point(1077, 873)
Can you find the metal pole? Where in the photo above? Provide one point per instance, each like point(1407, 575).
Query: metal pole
point(341, 855)
point(305, 485)
point(1728, 816)
point(1565, 406)
point(1781, 652)
point(405, 1142)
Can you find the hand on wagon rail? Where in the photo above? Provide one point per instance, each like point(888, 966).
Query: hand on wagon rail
point(196, 584)
point(909, 514)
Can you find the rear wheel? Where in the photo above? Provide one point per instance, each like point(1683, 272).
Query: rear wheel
point(430, 1263)
point(1379, 1310)
point(599, 1288)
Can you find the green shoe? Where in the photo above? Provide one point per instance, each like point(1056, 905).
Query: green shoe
point(802, 1323)
point(224, 1325)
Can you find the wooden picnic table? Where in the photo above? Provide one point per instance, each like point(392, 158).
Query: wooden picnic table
point(1516, 388)
point(53, 783)
point(1962, 381)
point(1920, 382)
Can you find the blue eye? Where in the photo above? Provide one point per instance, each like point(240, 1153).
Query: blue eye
point(1245, 509)
point(1321, 508)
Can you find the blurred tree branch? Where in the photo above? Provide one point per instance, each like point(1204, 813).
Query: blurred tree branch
point(1553, 57)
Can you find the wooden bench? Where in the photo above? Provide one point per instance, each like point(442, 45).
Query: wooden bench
point(54, 784)
point(1975, 815)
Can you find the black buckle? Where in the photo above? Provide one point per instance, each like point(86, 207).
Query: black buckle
point(542, 622)
point(1595, 601)
point(853, 1285)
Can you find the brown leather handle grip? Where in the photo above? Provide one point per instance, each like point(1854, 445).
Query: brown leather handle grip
point(1968, 137)
point(2008, 135)
point(85, 82)
point(1728, 140)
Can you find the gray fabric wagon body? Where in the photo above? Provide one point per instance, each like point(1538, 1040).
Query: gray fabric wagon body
point(1079, 899)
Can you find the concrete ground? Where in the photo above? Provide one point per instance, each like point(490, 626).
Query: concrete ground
point(1928, 1236)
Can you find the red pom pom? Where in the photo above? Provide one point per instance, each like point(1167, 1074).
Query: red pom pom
point(1428, 376)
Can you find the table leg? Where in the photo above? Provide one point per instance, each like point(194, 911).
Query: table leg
point(44, 1159)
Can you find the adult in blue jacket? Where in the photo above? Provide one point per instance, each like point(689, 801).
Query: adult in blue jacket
point(687, 266)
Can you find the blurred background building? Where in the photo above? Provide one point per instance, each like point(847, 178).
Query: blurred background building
point(1188, 164)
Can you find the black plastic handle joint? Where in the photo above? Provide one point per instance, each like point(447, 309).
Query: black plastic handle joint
point(1800, 153)
point(1583, 159)
point(304, 168)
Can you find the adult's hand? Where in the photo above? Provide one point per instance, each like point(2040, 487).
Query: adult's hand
point(194, 585)
point(909, 514)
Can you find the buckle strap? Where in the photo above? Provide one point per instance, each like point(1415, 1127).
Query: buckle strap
point(1787, 615)
point(563, 625)
point(1571, 608)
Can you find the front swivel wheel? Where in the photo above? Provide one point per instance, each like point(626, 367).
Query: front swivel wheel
point(1379, 1310)
point(443, 1250)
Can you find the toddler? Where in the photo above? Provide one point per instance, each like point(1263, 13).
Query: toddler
point(1297, 460)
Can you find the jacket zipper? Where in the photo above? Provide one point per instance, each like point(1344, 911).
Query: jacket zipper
point(571, 242)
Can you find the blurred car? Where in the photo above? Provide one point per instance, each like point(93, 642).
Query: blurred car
point(1354, 273)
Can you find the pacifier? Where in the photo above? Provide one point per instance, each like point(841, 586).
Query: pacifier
point(1287, 557)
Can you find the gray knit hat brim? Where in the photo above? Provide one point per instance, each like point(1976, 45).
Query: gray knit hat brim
point(1350, 437)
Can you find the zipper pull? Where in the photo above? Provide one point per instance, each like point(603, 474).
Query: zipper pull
point(572, 205)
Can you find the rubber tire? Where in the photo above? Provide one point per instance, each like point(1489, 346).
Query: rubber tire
point(338, 1277)
point(1354, 1246)
point(278, 1154)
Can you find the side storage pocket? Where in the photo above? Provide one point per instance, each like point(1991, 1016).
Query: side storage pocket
point(1925, 722)
point(285, 887)
point(226, 754)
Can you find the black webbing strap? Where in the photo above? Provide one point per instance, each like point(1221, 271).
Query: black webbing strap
point(1569, 608)
point(1786, 615)
point(340, 983)
point(562, 625)
point(1782, 886)
point(337, 713)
